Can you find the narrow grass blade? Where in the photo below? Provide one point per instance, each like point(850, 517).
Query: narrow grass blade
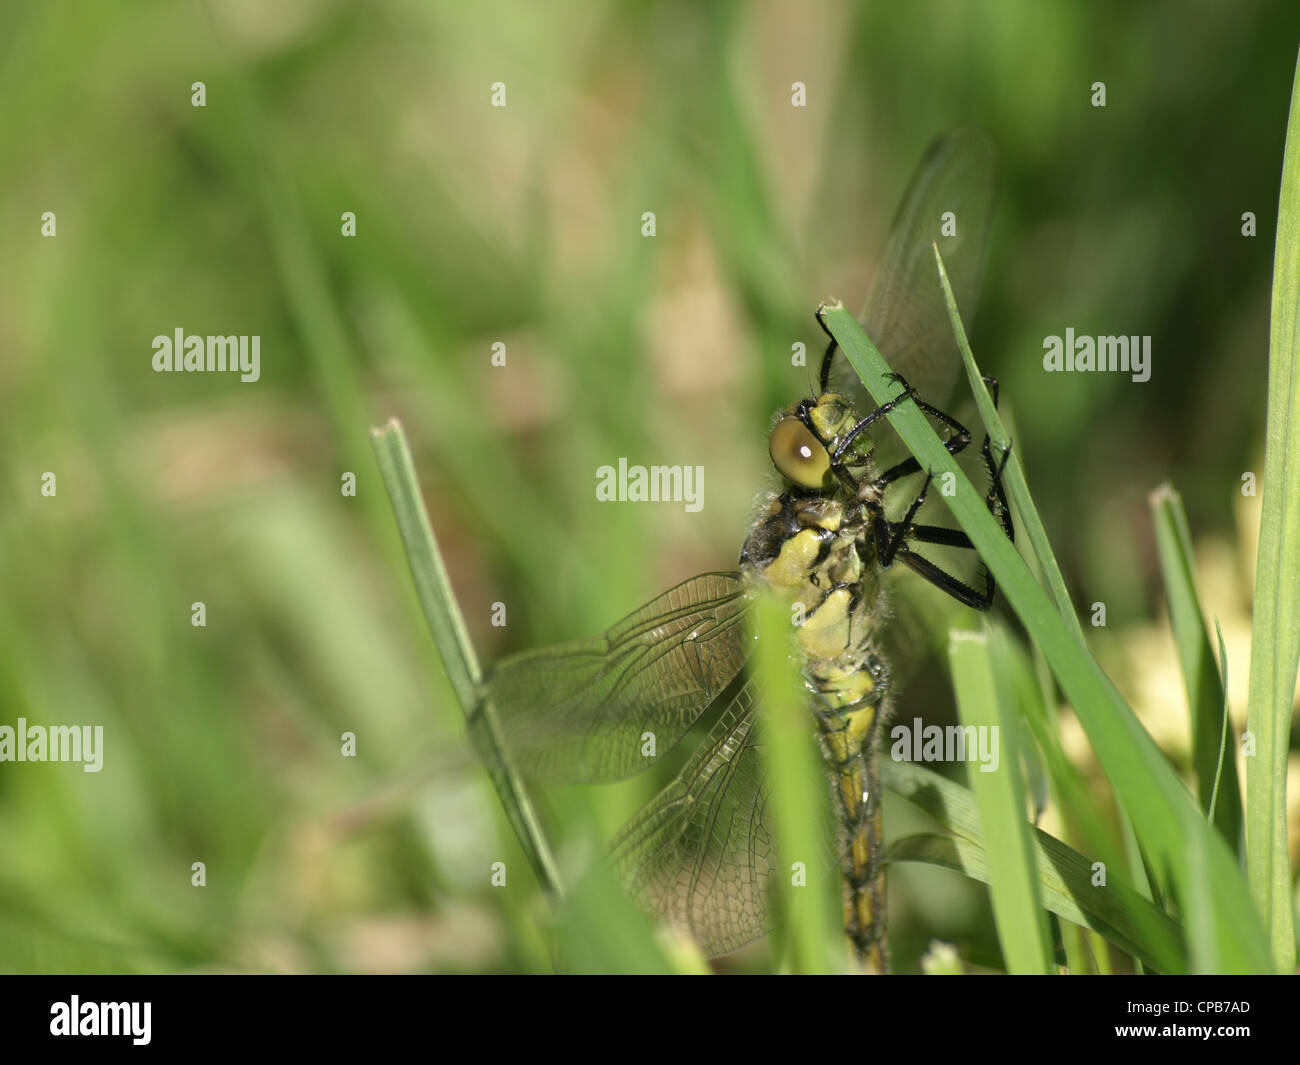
point(1223, 732)
point(450, 637)
point(1031, 702)
point(1014, 475)
point(1062, 887)
point(1161, 809)
point(1077, 961)
point(1205, 689)
point(806, 886)
point(1000, 793)
point(1275, 636)
point(1047, 570)
point(1114, 909)
point(1069, 788)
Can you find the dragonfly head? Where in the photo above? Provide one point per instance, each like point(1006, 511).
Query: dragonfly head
point(803, 441)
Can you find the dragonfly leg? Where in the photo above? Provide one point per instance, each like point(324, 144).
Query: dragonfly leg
point(996, 497)
point(825, 376)
point(892, 538)
point(935, 574)
point(956, 443)
point(992, 382)
point(945, 581)
point(891, 535)
point(866, 423)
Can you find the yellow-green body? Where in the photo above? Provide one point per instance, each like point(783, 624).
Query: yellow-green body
point(816, 548)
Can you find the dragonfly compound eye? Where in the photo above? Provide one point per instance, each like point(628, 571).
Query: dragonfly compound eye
point(798, 455)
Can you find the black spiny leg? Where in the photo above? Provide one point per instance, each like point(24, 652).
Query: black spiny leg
point(891, 535)
point(825, 376)
point(831, 348)
point(946, 582)
point(954, 444)
point(867, 422)
point(996, 497)
point(892, 538)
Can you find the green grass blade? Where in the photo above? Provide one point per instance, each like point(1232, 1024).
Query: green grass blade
point(1116, 910)
point(1014, 475)
point(806, 901)
point(1070, 790)
point(1065, 787)
point(1275, 637)
point(1000, 793)
point(1223, 731)
point(1161, 809)
point(451, 638)
point(1205, 690)
point(1062, 888)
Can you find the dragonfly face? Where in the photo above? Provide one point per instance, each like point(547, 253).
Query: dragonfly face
point(700, 854)
point(803, 442)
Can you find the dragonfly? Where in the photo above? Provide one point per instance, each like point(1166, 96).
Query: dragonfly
point(700, 855)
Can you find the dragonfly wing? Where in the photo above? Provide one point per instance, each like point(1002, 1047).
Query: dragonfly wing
point(906, 315)
point(579, 712)
point(699, 854)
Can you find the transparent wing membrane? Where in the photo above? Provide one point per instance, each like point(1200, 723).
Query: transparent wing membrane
point(699, 853)
point(906, 315)
point(577, 712)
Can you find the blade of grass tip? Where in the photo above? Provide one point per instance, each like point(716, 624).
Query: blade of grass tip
point(807, 888)
point(1275, 636)
point(1014, 475)
point(1144, 782)
point(1223, 732)
point(1000, 794)
point(451, 638)
point(1205, 689)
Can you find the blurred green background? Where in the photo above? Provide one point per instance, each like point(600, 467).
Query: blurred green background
point(522, 225)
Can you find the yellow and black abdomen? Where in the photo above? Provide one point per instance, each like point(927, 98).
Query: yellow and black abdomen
point(819, 554)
